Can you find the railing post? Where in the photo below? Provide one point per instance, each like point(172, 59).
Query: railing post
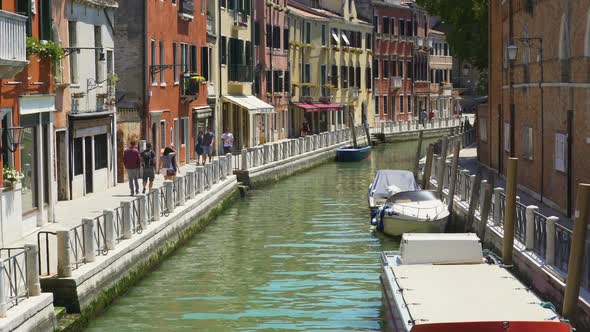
point(301, 145)
point(3, 289)
point(530, 227)
point(169, 195)
point(472, 181)
point(156, 204)
point(180, 190)
point(244, 160)
point(550, 242)
point(464, 174)
point(126, 219)
point(266, 154)
point(229, 164)
point(89, 244)
point(191, 183)
point(33, 269)
point(215, 169)
point(143, 210)
point(482, 193)
point(285, 150)
point(222, 167)
point(109, 227)
point(497, 213)
point(64, 267)
point(201, 179)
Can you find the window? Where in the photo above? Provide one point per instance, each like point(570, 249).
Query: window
point(483, 129)
point(394, 67)
point(162, 62)
point(276, 37)
point(154, 81)
point(401, 104)
point(527, 142)
point(98, 64)
point(385, 24)
point(410, 110)
point(307, 32)
point(409, 70)
point(325, 91)
point(393, 99)
point(205, 62)
point(376, 23)
point(376, 68)
point(402, 27)
point(193, 59)
point(351, 76)
point(507, 137)
point(368, 41)
point(268, 81)
point(175, 61)
point(560, 152)
point(28, 150)
point(368, 78)
point(268, 35)
point(183, 57)
point(286, 39)
point(393, 32)
point(323, 34)
point(110, 65)
point(223, 50)
point(335, 37)
point(257, 33)
point(78, 156)
point(334, 76)
point(101, 151)
point(385, 69)
point(385, 105)
point(183, 123)
point(74, 56)
point(377, 105)
point(344, 76)
point(357, 74)
point(163, 134)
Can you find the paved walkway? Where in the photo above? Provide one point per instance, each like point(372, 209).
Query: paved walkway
point(468, 160)
point(69, 214)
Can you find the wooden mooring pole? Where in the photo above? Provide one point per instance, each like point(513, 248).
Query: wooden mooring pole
point(418, 153)
point(453, 179)
point(510, 213)
point(428, 167)
point(576, 259)
point(440, 176)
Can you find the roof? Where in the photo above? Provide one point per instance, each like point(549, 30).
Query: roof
point(478, 292)
point(304, 13)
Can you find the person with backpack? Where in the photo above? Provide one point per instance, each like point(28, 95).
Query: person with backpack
point(132, 162)
point(147, 163)
point(208, 141)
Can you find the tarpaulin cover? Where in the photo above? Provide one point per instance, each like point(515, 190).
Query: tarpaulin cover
point(386, 179)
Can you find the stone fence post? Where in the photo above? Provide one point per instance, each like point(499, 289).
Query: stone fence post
point(229, 163)
point(126, 220)
point(266, 154)
point(64, 265)
point(89, 244)
point(497, 213)
point(215, 169)
point(143, 210)
point(201, 179)
point(482, 192)
point(550, 242)
point(109, 227)
point(180, 190)
point(169, 195)
point(530, 227)
point(244, 160)
point(33, 281)
point(191, 183)
point(156, 211)
point(276, 151)
point(223, 167)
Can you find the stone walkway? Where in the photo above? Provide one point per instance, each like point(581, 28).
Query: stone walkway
point(468, 160)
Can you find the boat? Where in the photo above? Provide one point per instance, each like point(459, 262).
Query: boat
point(407, 208)
point(444, 282)
point(350, 153)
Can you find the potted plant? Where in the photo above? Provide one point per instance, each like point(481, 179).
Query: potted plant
point(11, 176)
point(44, 49)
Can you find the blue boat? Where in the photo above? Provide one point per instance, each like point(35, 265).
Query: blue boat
point(350, 153)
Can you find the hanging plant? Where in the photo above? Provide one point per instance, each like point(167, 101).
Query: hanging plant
point(44, 49)
point(11, 176)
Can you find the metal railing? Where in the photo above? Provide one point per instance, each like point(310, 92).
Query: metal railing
point(540, 236)
point(14, 272)
point(563, 239)
point(118, 215)
point(100, 235)
point(44, 254)
point(163, 197)
point(136, 227)
point(520, 222)
point(77, 246)
point(240, 73)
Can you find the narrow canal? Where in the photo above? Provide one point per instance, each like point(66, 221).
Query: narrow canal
point(297, 255)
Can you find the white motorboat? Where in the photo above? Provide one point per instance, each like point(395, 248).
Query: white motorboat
point(407, 209)
point(443, 282)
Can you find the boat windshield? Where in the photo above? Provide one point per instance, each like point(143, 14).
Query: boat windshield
point(412, 196)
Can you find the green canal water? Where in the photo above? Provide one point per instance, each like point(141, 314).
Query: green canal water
point(297, 255)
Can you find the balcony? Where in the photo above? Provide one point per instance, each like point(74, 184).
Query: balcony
point(189, 88)
point(240, 73)
point(396, 82)
point(240, 20)
point(13, 44)
point(210, 26)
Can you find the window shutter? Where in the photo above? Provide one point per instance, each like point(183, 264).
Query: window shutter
point(560, 152)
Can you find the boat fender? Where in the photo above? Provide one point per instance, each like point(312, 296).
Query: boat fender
point(374, 222)
point(380, 226)
point(374, 213)
point(390, 213)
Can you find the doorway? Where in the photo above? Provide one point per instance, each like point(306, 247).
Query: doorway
point(63, 185)
point(88, 169)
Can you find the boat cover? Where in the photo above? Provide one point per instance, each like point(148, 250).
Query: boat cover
point(389, 182)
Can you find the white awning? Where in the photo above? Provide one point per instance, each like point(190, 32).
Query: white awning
point(251, 103)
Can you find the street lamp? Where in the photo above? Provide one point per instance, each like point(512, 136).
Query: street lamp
point(14, 137)
point(512, 52)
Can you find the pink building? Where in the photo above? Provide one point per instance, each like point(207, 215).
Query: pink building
point(271, 75)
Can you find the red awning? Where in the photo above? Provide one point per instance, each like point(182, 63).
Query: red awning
point(320, 107)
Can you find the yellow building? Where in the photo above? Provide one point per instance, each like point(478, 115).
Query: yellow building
point(242, 113)
point(330, 61)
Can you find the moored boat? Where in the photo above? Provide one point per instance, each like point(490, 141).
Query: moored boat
point(388, 182)
point(350, 153)
point(443, 282)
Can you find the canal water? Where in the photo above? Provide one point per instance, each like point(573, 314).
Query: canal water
point(297, 255)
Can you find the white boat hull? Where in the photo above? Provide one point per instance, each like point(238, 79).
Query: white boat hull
point(396, 226)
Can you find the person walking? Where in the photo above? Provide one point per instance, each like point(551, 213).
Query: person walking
point(423, 117)
point(169, 165)
point(147, 162)
point(208, 141)
point(199, 148)
point(228, 141)
point(132, 162)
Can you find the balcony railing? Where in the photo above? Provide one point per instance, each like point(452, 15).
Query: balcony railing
point(187, 10)
point(240, 20)
point(240, 73)
point(396, 82)
point(189, 87)
point(210, 26)
point(13, 45)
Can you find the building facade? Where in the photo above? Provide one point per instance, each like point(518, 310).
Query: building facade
point(442, 103)
point(330, 57)
point(271, 73)
point(165, 100)
point(27, 100)
point(538, 103)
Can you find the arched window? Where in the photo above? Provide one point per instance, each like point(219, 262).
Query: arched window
point(564, 49)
